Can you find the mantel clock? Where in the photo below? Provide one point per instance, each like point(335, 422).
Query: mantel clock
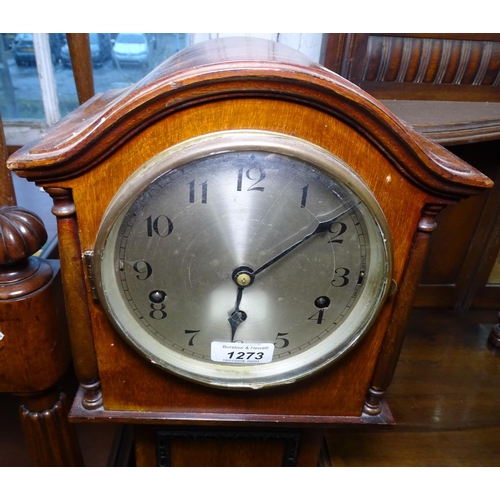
point(241, 235)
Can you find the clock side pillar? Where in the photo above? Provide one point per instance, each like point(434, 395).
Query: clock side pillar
point(75, 295)
point(394, 338)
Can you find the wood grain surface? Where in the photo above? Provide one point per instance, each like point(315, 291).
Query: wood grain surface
point(444, 398)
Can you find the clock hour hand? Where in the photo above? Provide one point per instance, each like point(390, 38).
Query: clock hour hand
point(320, 228)
point(237, 317)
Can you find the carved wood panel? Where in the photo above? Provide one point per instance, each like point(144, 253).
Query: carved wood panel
point(413, 66)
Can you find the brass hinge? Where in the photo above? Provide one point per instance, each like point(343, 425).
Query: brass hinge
point(88, 257)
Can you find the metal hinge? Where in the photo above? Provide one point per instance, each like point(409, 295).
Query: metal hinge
point(88, 257)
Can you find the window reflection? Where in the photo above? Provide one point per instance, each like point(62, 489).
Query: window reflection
point(118, 60)
point(134, 55)
point(20, 94)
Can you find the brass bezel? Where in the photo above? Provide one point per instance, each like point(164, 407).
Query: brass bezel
point(220, 142)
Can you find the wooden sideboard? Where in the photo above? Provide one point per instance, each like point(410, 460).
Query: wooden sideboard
point(428, 66)
point(446, 86)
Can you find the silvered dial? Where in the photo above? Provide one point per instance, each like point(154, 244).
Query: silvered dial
point(243, 259)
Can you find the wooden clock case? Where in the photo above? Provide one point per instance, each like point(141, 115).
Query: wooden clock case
point(223, 85)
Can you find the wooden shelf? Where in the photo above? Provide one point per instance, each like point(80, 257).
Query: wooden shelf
point(450, 122)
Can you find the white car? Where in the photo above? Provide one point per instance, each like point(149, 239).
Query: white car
point(131, 48)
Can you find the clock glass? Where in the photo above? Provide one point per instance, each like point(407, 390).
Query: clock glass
point(243, 259)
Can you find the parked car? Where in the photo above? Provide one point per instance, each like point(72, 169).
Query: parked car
point(100, 50)
point(24, 51)
point(8, 40)
point(131, 48)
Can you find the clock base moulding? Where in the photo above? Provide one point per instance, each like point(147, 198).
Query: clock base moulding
point(79, 413)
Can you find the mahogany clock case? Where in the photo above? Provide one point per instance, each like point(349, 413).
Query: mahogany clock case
point(234, 85)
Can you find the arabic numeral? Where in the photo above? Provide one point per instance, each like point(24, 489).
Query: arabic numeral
point(318, 317)
point(321, 303)
point(281, 342)
point(143, 268)
point(245, 355)
point(256, 174)
point(337, 229)
point(157, 307)
point(341, 279)
point(162, 226)
point(157, 311)
point(303, 200)
point(192, 193)
point(192, 334)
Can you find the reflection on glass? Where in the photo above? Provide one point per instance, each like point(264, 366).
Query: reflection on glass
point(20, 94)
point(134, 55)
point(118, 60)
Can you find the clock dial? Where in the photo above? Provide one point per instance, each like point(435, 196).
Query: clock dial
point(243, 259)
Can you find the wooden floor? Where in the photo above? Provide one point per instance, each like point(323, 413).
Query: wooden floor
point(445, 399)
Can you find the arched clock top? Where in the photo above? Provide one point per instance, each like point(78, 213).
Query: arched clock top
point(236, 68)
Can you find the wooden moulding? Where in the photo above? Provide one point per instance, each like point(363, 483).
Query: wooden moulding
point(81, 414)
point(212, 87)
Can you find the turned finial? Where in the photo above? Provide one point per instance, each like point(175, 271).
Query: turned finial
point(22, 234)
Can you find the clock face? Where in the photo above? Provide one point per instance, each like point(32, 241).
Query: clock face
point(243, 259)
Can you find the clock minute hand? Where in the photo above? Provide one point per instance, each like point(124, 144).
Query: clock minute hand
point(243, 276)
point(320, 228)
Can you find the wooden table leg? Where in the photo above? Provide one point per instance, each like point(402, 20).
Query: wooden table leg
point(50, 438)
point(34, 349)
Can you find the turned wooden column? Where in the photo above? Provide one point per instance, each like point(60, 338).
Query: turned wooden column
point(34, 352)
point(82, 343)
point(386, 365)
